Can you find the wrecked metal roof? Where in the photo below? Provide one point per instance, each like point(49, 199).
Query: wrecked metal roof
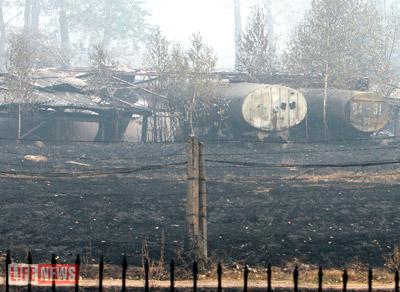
point(54, 88)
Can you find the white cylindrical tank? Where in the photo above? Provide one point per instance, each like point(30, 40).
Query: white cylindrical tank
point(262, 107)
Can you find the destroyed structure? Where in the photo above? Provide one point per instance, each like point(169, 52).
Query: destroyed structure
point(65, 107)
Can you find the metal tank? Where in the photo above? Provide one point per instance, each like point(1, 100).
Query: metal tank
point(349, 113)
point(259, 110)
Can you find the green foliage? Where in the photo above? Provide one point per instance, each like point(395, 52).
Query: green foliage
point(184, 77)
point(20, 68)
point(338, 38)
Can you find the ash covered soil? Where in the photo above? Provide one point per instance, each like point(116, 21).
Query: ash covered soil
point(331, 204)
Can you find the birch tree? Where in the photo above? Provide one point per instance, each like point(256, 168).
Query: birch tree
point(340, 41)
point(20, 73)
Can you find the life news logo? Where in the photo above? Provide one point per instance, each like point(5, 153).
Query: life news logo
point(42, 274)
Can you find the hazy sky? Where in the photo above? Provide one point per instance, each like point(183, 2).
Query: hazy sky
point(214, 19)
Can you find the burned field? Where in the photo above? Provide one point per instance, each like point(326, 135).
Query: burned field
point(333, 204)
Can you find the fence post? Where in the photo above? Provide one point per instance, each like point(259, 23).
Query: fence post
point(172, 275)
point(8, 262)
point(296, 279)
point(146, 276)
point(192, 203)
point(196, 204)
point(345, 280)
point(269, 278)
point(370, 277)
point(195, 273)
point(29, 271)
point(124, 269)
point(203, 203)
point(246, 278)
point(101, 269)
point(77, 267)
point(53, 267)
point(320, 279)
point(219, 276)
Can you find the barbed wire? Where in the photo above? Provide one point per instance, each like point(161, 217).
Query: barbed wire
point(305, 151)
point(327, 165)
point(299, 141)
point(46, 154)
point(102, 172)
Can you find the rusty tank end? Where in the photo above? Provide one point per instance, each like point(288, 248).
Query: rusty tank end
point(368, 112)
point(349, 113)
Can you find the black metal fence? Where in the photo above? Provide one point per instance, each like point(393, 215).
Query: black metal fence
point(195, 274)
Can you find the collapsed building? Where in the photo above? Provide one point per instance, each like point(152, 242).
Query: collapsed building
point(64, 105)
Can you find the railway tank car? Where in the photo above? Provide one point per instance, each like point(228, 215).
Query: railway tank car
point(350, 114)
point(259, 110)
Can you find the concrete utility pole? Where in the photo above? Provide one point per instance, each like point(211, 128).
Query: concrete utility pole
point(238, 33)
point(196, 204)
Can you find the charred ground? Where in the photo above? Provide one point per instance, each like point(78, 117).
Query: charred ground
point(267, 203)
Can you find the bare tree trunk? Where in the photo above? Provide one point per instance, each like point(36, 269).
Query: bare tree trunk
point(35, 16)
point(64, 34)
point(3, 56)
point(27, 16)
point(107, 23)
point(326, 101)
point(19, 123)
point(155, 128)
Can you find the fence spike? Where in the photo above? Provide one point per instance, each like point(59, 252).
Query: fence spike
point(53, 265)
point(146, 276)
point(77, 266)
point(246, 278)
point(172, 275)
point(101, 269)
point(345, 280)
point(269, 278)
point(195, 275)
point(8, 262)
point(29, 260)
point(320, 279)
point(370, 277)
point(396, 281)
point(124, 269)
point(296, 279)
point(219, 273)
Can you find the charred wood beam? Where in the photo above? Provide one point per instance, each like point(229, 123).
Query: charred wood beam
point(34, 129)
point(112, 126)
